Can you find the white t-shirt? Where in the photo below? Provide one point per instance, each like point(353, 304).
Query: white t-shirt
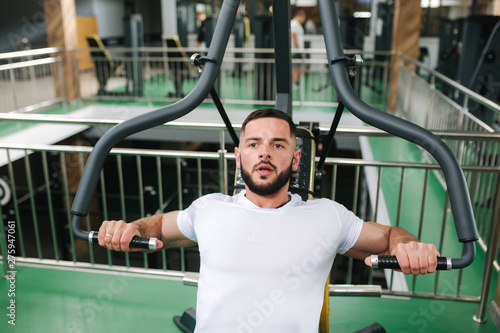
point(264, 270)
point(296, 27)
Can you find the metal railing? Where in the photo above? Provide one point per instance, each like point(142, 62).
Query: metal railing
point(42, 181)
point(435, 102)
point(448, 104)
point(246, 76)
point(421, 101)
point(138, 182)
point(31, 80)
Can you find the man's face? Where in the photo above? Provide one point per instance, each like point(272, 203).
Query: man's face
point(301, 19)
point(267, 155)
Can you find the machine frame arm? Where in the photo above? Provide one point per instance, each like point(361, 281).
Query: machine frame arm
point(95, 162)
point(457, 187)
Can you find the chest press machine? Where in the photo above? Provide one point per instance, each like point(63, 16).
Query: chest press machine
point(338, 67)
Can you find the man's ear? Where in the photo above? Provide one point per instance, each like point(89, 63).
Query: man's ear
point(237, 156)
point(296, 160)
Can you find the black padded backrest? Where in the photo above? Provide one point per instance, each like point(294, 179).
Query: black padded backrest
point(101, 54)
point(303, 179)
point(173, 43)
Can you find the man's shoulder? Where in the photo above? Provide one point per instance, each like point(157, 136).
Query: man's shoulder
point(213, 199)
point(324, 203)
point(217, 197)
point(318, 203)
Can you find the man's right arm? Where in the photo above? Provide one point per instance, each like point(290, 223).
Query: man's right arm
point(116, 235)
point(295, 40)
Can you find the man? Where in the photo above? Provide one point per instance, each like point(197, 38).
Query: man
point(297, 36)
point(265, 253)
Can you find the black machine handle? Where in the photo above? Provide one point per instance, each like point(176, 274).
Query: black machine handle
point(95, 162)
point(137, 242)
point(457, 187)
point(443, 263)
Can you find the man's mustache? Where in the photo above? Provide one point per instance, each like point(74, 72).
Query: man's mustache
point(257, 166)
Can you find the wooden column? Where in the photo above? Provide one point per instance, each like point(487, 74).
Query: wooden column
point(496, 9)
point(405, 38)
point(60, 17)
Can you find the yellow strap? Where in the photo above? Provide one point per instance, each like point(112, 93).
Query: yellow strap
point(246, 21)
point(324, 319)
point(177, 42)
point(103, 48)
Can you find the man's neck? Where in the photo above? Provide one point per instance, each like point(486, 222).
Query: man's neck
point(276, 200)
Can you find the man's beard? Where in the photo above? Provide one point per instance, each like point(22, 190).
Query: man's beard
point(266, 189)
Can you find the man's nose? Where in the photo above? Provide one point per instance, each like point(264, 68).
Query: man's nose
point(264, 153)
point(265, 156)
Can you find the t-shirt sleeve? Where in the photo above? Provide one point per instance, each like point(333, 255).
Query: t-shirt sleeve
point(351, 227)
point(187, 217)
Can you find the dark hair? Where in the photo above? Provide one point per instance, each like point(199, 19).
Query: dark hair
point(270, 113)
point(300, 12)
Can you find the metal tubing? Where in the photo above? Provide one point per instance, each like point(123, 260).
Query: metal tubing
point(225, 118)
point(466, 91)
point(199, 177)
point(282, 57)
point(488, 261)
point(341, 130)
point(15, 204)
point(222, 163)
point(49, 203)
point(377, 196)
point(105, 211)
point(29, 180)
point(64, 178)
point(460, 202)
point(400, 196)
point(333, 162)
point(140, 186)
point(331, 135)
point(28, 53)
point(171, 112)
point(3, 247)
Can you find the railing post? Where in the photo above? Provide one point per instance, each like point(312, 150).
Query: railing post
point(430, 104)
point(488, 261)
point(147, 76)
point(3, 247)
point(222, 164)
point(13, 85)
point(62, 86)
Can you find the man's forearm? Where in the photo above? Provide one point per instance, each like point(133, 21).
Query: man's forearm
point(150, 226)
point(397, 236)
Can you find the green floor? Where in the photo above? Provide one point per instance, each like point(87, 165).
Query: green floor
point(61, 301)
point(49, 300)
point(405, 315)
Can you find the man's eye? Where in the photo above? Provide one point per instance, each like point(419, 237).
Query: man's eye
point(278, 145)
point(253, 145)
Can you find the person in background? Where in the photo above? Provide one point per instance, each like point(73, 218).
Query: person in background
point(202, 30)
point(310, 27)
point(297, 37)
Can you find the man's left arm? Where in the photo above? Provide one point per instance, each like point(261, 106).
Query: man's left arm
point(414, 257)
